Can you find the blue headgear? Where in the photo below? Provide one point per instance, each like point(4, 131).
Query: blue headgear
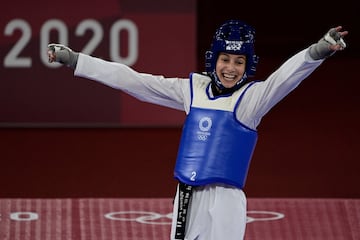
point(234, 37)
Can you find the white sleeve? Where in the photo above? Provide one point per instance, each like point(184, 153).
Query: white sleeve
point(169, 92)
point(263, 95)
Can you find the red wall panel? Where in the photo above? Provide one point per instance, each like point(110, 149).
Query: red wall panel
point(308, 144)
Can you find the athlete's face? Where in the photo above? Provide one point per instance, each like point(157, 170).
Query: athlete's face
point(230, 68)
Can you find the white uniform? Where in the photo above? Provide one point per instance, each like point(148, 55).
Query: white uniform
point(216, 211)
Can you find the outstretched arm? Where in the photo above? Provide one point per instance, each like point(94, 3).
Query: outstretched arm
point(169, 92)
point(265, 94)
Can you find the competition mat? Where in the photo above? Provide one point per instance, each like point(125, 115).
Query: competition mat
point(150, 218)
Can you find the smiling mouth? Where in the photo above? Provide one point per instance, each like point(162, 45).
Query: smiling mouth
point(229, 77)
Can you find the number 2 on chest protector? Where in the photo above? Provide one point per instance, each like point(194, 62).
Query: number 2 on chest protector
point(193, 175)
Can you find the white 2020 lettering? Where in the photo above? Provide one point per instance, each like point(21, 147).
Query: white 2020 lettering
point(14, 60)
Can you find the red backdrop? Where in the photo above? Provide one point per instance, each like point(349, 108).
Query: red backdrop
point(308, 144)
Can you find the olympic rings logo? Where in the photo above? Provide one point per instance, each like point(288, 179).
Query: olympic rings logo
point(202, 137)
point(140, 217)
point(165, 219)
point(254, 216)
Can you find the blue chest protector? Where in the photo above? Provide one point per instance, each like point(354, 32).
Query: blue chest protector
point(214, 147)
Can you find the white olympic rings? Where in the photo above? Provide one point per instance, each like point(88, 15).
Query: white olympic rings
point(140, 217)
point(155, 218)
point(264, 216)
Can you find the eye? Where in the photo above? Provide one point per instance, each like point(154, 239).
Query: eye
point(224, 59)
point(240, 61)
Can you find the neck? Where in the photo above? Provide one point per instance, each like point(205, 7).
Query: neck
point(218, 92)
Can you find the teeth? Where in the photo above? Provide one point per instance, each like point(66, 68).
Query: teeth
point(229, 76)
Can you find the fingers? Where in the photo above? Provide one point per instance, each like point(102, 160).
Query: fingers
point(336, 47)
point(342, 33)
point(338, 28)
point(51, 55)
point(337, 41)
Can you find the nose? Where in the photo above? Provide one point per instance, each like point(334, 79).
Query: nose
point(231, 66)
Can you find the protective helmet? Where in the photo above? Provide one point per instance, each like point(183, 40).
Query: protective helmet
point(234, 37)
